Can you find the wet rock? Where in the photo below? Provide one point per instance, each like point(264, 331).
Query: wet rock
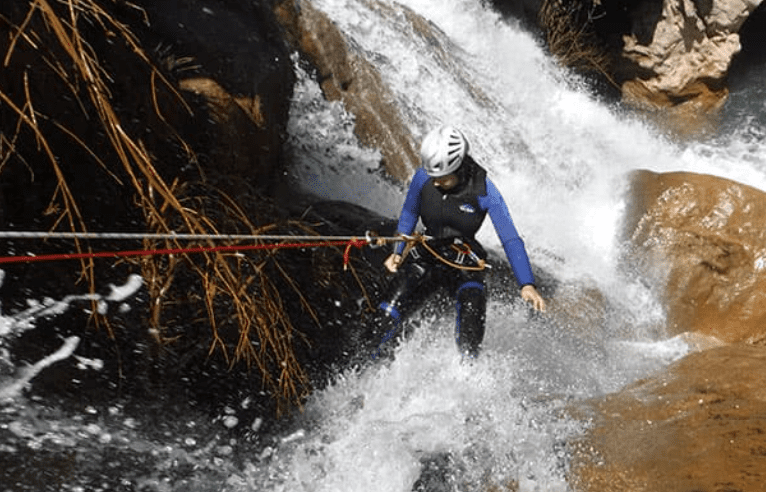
point(346, 75)
point(231, 55)
point(703, 238)
point(696, 426)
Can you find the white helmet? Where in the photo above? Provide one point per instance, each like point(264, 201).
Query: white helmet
point(443, 150)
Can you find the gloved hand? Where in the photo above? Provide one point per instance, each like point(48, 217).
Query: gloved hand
point(392, 262)
point(529, 293)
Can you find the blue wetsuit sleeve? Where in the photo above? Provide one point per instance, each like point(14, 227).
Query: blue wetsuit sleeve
point(408, 218)
point(513, 245)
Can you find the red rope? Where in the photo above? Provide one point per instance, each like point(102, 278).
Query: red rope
point(358, 243)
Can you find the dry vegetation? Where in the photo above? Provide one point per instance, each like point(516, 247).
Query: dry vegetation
point(54, 42)
point(567, 25)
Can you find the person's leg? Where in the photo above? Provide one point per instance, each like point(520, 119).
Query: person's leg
point(403, 296)
point(471, 304)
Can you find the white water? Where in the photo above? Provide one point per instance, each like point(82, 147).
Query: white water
point(561, 158)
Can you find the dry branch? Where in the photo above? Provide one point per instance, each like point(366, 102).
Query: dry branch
point(568, 29)
point(235, 291)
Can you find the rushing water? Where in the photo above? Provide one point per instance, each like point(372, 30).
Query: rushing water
point(561, 157)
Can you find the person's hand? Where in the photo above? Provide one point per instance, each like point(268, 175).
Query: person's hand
point(392, 262)
point(529, 293)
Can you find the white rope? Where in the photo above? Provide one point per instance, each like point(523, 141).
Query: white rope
point(191, 237)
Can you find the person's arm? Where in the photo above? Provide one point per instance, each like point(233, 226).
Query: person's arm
point(512, 243)
point(408, 218)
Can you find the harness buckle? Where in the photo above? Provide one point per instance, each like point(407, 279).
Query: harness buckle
point(462, 249)
point(415, 253)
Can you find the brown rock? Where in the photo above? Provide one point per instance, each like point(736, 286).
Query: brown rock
point(699, 426)
point(243, 140)
point(704, 237)
point(696, 115)
point(346, 76)
point(688, 57)
point(231, 57)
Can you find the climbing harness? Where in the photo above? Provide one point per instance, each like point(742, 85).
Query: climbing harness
point(462, 251)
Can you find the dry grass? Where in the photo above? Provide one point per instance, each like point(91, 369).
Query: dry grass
point(236, 289)
point(567, 25)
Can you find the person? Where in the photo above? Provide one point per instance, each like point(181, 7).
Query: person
point(452, 195)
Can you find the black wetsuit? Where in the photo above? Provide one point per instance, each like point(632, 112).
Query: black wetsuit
point(451, 217)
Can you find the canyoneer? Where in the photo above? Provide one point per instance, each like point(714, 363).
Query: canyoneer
point(452, 195)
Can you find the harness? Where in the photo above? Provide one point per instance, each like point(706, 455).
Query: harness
point(462, 250)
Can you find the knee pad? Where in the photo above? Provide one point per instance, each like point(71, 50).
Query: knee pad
point(391, 311)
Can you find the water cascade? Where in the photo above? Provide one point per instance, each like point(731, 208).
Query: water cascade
point(562, 159)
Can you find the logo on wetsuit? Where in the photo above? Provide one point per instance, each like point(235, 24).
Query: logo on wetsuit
point(467, 208)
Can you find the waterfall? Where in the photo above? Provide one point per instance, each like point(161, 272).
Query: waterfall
point(426, 420)
point(562, 158)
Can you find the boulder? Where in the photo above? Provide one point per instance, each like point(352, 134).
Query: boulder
point(686, 61)
point(696, 426)
point(703, 238)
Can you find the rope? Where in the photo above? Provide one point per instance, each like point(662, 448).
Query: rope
point(172, 235)
point(316, 241)
point(480, 264)
point(347, 242)
point(167, 251)
point(421, 239)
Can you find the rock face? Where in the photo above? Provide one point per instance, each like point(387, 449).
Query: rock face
point(688, 56)
point(662, 54)
point(158, 106)
point(232, 57)
point(346, 76)
point(705, 237)
point(217, 104)
point(699, 424)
